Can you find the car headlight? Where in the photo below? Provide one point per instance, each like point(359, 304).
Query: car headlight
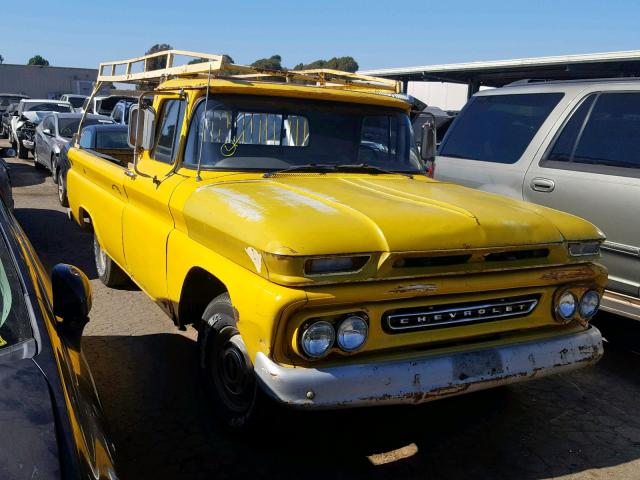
point(589, 304)
point(328, 265)
point(584, 249)
point(317, 339)
point(567, 306)
point(352, 333)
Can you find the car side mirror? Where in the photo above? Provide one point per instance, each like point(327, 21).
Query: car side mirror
point(71, 300)
point(47, 131)
point(141, 127)
point(7, 152)
point(14, 114)
point(428, 141)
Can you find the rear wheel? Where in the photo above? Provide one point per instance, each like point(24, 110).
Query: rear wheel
point(62, 190)
point(54, 168)
point(227, 369)
point(110, 274)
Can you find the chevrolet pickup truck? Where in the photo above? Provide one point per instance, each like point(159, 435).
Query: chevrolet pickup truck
point(289, 218)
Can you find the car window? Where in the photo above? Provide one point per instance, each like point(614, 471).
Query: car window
point(169, 128)
point(47, 107)
point(564, 144)
point(15, 326)
point(86, 138)
point(607, 139)
point(76, 102)
point(68, 126)
point(497, 128)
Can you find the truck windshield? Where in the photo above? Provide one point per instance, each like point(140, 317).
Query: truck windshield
point(497, 128)
point(263, 134)
point(14, 321)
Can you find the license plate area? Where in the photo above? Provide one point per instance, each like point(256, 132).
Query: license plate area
point(457, 314)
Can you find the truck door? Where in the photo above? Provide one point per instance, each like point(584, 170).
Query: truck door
point(95, 184)
point(592, 169)
point(147, 219)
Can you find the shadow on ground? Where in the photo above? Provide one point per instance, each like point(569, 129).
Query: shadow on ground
point(25, 174)
point(57, 239)
point(161, 424)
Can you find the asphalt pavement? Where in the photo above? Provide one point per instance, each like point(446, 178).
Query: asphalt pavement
point(582, 425)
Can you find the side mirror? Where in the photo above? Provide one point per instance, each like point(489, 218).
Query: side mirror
point(71, 299)
point(14, 114)
point(7, 152)
point(428, 141)
point(141, 127)
point(47, 131)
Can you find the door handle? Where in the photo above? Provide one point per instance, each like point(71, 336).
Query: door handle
point(542, 184)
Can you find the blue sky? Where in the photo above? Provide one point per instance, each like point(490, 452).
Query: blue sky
point(377, 34)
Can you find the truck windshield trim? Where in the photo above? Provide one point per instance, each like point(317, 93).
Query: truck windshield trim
point(263, 134)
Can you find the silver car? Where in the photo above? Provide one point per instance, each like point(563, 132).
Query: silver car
point(53, 132)
point(571, 145)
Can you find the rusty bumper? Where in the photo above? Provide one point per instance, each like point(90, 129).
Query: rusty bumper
point(427, 378)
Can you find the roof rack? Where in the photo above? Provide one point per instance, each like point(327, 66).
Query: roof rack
point(140, 70)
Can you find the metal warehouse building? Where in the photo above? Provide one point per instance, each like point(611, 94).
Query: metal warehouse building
point(46, 82)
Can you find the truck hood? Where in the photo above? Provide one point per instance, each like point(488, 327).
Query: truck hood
point(299, 215)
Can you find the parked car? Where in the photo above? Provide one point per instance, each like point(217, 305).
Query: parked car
point(55, 130)
point(120, 113)
point(27, 118)
point(51, 414)
point(294, 226)
point(5, 120)
point(103, 105)
point(569, 145)
point(7, 99)
point(77, 101)
point(107, 141)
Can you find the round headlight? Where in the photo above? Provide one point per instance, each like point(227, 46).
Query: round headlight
point(589, 303)
point(318, 339)
point(352, 333)
point(567, 305)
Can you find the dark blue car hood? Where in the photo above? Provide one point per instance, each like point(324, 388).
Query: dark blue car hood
point(28, 445)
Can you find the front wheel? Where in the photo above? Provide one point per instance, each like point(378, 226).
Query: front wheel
point(54, 168)
point(110, 274)
point(22, 151)
point(226, 368)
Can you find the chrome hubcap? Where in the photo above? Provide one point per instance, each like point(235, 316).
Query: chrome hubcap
point(101, 258)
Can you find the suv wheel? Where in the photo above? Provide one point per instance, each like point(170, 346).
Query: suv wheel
point(226, 368)
point(110, 274)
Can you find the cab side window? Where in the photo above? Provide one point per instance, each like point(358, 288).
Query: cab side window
point(169, 128)
point(602, 136)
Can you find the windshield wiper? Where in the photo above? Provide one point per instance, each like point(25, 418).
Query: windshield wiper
point(312, 167)
point(364, 167)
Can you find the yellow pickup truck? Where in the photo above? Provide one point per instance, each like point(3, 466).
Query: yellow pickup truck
point(287, 216)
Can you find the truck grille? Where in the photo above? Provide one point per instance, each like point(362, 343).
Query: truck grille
point(458, 314)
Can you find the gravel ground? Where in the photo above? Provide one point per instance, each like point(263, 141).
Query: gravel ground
point(584, 425)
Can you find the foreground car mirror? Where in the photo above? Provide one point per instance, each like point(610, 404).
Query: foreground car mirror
point(7, 152)
point(141, 127)
point(71, 299)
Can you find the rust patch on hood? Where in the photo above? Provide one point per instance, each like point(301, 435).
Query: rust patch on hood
point(417, 288)
point(573, 274)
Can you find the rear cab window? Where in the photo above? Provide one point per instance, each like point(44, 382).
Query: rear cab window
point(498, 128)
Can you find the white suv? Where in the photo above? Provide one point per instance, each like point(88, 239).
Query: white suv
point(570, 145)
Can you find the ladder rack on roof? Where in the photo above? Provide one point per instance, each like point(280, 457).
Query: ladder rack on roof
point(139, 70)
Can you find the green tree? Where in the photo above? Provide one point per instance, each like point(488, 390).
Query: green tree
point(346, 64)
point(1, 59)
point(227, 59)
point(38, 60)
point(272, 63)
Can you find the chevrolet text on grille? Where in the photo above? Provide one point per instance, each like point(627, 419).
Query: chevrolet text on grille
point(463, 314)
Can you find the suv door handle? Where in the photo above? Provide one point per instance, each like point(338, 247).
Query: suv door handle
point(542, 184)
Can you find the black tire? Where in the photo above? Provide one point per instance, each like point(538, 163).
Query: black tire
point(226, 368)
point(109, 273)
point(14, 145)
point(54, 168)
point(3, 134)
point(62, 190)
point(22, 151)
